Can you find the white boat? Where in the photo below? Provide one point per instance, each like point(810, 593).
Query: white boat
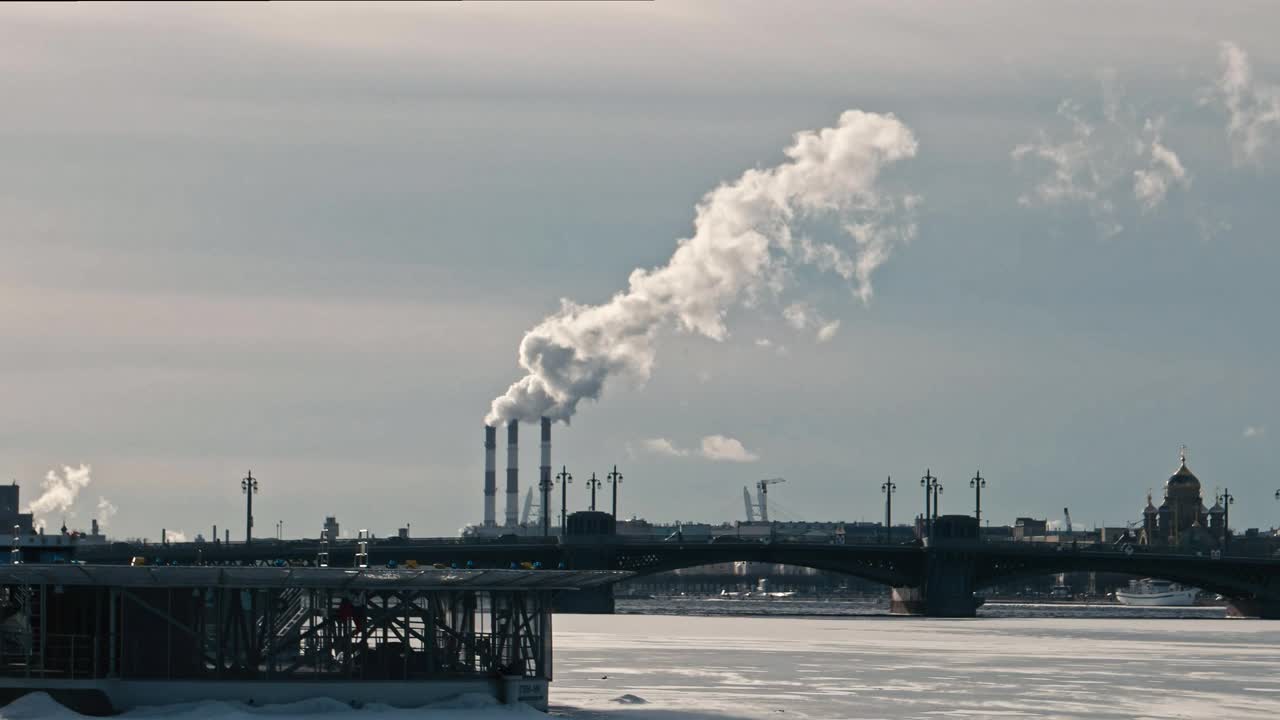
point(1150, 592)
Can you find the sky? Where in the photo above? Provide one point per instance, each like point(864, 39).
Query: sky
point(310, 242)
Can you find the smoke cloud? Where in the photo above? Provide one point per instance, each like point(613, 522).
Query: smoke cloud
point(1253, 109)
point(59, 492)
point(106, 511)
point(743, 247)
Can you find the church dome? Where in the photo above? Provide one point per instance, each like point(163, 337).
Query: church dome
point(1183, 481)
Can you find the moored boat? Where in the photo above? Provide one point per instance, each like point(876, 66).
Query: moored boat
point(1150, 592)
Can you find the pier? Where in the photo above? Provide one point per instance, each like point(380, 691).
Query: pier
point(103, 639)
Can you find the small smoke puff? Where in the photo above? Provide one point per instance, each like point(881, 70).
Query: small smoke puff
point(742, 246)
point(106, 511)
point(828, 331)
point(1255, 431)
point(721, 448)
point(1253, 110)
point(59, 491)
point(663, 446)
point(175, 536)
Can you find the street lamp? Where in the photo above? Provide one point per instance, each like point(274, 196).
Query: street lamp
point(249, 486)
point(593, 482)
point(1227, 500)
point(615, 479)
point(937, 503)
point(977, 483)
point(931, 490)
point(544, 488)
point(888, 487)
point(565, 478)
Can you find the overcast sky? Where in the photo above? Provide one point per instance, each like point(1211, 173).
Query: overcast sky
point(308, 241)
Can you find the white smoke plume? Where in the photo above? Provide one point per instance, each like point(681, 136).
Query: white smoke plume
point(106, 511)
point(1253, 109)
point(742, 247)
point(59, 492)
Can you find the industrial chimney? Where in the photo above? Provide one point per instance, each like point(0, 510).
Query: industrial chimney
point(490, 479)
point(544, 476)
point(513, 474)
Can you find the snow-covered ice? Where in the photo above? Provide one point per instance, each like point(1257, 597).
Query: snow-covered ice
point(685, 668)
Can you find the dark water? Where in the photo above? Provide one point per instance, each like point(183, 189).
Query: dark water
point(711, 606)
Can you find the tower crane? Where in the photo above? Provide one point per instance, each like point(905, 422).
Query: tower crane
point(762, 495)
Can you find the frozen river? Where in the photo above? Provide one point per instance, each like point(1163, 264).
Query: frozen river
point(798, 660)
point(682, 667)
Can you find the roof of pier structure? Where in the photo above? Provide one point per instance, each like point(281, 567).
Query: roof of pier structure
point(313, 577)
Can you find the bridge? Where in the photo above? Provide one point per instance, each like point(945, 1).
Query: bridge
point(937, 578)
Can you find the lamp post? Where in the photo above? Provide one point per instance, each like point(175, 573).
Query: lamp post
point(937, 490)
point(977, 483)
point(544, 488)
point(593, 482)
point(888, 487)
point(249, 486)
point(927, 482)
point(615, 479)
point(565, 478)
point(1227, 499)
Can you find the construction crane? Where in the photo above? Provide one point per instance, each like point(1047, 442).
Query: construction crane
point(751, 509)
point(528, 507)
point(762, 496)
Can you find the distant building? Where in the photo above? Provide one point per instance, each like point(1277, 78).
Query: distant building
point(10, 518)
point(1182, 520)
point(331, 527)
point(1025, 528)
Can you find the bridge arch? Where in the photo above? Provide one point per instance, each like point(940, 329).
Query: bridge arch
point(887, 566)
point(1242, 584)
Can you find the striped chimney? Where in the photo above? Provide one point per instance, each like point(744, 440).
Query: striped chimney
point(513, 474)
point(490, 480)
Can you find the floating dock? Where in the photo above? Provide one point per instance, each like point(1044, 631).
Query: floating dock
point(104, 639)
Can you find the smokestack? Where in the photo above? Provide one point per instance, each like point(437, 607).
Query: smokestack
point(544, 475)
point(513, 473)
point(490, 479)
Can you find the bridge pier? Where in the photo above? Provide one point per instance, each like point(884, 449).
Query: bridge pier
point(587, 601)
point(1266, 608)
point(949, 584)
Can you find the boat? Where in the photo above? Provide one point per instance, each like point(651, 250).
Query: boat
point(1150, 592)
